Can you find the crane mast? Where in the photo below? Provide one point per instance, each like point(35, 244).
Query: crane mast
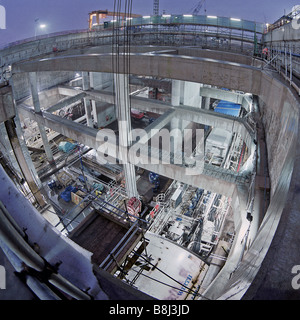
point(197, 8)
point(155, 7)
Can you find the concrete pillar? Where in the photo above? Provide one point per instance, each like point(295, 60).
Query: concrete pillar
point(206, 99)
point(191, 94)
point(104, 113)
point(176, 92)
point(125, 134)
point(24, 162)
point(14, 146)
point(87, 102)
point(207, 103)
point(22, 142)
point(101, 81)
point(186, 93)
point(176, 130)
point(37, 108)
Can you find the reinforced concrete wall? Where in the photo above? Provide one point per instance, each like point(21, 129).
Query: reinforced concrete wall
point(266, 269)
point(279, 109)
point(280, 112)
point(45, 80)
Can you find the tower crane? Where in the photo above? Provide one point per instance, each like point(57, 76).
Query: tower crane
point(198, 7)
point(155, 7)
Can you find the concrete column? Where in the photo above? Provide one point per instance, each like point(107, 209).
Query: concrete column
point(24, 162)
point(176, 130)
point(182, 140)
point(191, 94)
point(37, 108)
point(206, 99)
point(176, 92)
point(186, 93)
point(206, 103)
point(87, 102)
point(94, 110)
point(22, 142)
point(125, 134)
point(101, 80)
point(103, 114)
point(93, 102)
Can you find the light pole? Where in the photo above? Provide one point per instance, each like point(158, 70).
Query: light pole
point(35, 26)
point(41, 26)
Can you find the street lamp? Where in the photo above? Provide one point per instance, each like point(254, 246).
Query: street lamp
point(41, 26)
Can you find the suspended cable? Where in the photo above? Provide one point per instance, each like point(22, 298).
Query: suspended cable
point(167, 275)
point(195, 293)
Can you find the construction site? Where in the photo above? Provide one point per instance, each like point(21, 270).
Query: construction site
point(151, 157)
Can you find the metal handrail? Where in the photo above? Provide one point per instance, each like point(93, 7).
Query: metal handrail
point(113, 254)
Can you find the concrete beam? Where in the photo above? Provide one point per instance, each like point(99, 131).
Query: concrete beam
point(37, 108)
point(158, 124)
point(206, 117)
point(156, 106)
point(139, 103)
point(221, 94)
point(7, 110)
point(165, 84)
point(195, 69)
point(87, 136)
point(68, 128)
point(214, 119)
point(22, 161)
point(66, 102)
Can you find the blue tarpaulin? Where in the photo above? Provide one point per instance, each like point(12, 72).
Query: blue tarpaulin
point(229, 108)
point(66, 194)
point(99, 186)
point(66, 146)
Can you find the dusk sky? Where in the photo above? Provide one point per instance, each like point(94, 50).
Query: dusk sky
point(62, 15)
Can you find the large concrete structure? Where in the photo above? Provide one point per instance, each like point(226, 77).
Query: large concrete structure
point(201, 68)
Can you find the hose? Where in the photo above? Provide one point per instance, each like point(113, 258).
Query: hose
point(17, 244)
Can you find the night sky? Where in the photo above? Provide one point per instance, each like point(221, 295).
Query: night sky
point(62, 15)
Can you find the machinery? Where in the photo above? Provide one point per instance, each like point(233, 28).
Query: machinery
point(136, 114)
point(154, 179)
point(134, 207)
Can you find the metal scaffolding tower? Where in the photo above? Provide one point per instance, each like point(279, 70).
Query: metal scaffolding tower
point(155, 7)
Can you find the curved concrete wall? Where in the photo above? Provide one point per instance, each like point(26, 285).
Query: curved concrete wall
point(280, 115)
point(221, 73)
point(268, 272)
